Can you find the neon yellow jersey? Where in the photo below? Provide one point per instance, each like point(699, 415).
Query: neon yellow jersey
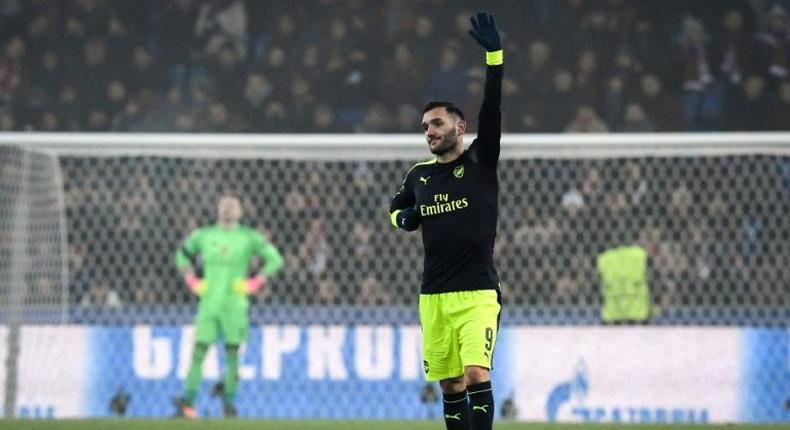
point(626, 295)
point(226, 254)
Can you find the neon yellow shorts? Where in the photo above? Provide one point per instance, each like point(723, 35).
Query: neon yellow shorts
point(459, 329)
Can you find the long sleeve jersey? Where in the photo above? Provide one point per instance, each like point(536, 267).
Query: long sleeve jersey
point(458, 205)
point(226, 254)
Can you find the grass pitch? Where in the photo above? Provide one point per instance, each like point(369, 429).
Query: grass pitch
point(243, 424)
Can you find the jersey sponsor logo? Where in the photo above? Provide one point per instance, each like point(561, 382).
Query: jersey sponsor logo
point(458, 172)
point(424, 179)
point(443, 204)
point(425, 366)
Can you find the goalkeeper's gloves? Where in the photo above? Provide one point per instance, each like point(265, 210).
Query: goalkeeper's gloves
point(485, 32)
point(245, 287)
point(407, 219)
point(196, 285)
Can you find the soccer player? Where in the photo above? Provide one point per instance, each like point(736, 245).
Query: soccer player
point(226, 249)
point(454, 199)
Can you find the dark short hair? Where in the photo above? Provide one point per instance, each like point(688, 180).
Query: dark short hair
point(449, 106)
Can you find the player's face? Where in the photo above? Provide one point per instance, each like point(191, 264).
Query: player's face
point(441, 130)
point(229, 210)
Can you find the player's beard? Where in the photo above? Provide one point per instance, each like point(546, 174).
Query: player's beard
point(447, 144)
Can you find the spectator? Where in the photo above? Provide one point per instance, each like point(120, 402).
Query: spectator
point(94, 73)
point(47, 73)
point(220, 119)
point(636, 121)
point(780, 110)
point(614, 103)
point(145, 72)
point(739, 50)
point(69, 108)
point(11, 66)
point(398, 74)
point(755, 104)
point(256, 91)
point(586, 121)
point(448, 75)
point(635, 185)
point(116, 94)
point(372, 292)
point(101, 295)
point(314, 251)
point(324, 119)
point(775, 40)
point(572, 201)
point(660, 107)
point(222, 24)
point(176, 37)
point(563, 101)
point(537, 84)
point(377, 120)
point(227, 74)
point(588, 79)
point(702, 94)
point(406, 117)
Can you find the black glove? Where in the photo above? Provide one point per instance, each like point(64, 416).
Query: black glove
point(408, 219)
point(484, 31)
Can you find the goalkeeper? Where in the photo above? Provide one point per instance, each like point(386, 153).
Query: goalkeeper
point(226, 250)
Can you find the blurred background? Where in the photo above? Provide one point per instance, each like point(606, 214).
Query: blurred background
point(369, 66)
point(87, 233)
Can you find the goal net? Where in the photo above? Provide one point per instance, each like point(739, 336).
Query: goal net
point(89, 225)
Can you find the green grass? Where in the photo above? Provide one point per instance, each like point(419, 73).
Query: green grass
point(241, 424)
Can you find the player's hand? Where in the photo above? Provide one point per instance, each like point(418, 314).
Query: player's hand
point(245, 287)
point(485, 32)
point(196, 285)
point(408, 219)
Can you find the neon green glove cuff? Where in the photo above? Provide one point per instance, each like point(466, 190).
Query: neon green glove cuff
point(240, 287)
point(394, 218)
point(494, 58)
point(201, 288)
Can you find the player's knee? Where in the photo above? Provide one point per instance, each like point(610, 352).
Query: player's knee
point(476, 375)
point(452, 385)
point(199, 351)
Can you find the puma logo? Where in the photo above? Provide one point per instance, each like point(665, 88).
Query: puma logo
point(483, 408)
point(453, 417)
point(424, 179)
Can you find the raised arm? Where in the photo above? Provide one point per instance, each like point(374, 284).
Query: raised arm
point(489, 131)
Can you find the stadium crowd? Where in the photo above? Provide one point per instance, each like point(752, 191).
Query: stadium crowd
point(368, 66)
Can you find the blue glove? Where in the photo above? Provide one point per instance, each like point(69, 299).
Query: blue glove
point(408, 219)
point(484, 31)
